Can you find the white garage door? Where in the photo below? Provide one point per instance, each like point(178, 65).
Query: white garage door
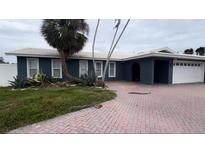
point(188, 71)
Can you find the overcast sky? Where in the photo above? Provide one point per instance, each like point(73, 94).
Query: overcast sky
point(139, 35)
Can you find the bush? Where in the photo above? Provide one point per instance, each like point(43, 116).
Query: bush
point(38, 80)
point(53, 80)
point(41, 80)
point(100, 83)
point(86, 80)
point(19, 82)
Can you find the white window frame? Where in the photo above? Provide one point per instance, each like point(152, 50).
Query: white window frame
point(28, 69)
point(83, 61)
point(101, 73)
point(114, 70)
point(52, 69)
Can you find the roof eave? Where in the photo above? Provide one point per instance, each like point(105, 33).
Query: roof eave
point(56, 56)
point(166, 55)
point(154, 54)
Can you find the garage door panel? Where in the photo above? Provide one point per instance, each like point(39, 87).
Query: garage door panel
point(188, 72)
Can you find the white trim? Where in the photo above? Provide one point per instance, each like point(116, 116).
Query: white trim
point(114, 70)
point(52, 72)
point(101, 73)
point(167, 55)
point(82, 61)
point(57, 56)
point(27, 66)
point(143, 54)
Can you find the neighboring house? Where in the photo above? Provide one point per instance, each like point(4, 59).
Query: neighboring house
point(156, 66)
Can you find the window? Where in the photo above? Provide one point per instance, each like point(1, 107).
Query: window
point(185, 64)
point(112, 69)
point(83, 67)
point(98, 68)
point(32, 67)
point(177, 64)
point(56, 68)
point(199, 64)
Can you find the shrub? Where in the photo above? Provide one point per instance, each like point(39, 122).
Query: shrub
point(53, 80)
point(100, 83)
point(19, 82)
point(86, 80)
point(38, 80)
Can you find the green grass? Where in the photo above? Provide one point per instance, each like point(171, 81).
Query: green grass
point(19, 108)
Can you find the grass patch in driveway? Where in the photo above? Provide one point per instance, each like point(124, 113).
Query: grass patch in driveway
point(20, 108)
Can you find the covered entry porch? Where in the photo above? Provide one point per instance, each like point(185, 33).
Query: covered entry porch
point(149, 70)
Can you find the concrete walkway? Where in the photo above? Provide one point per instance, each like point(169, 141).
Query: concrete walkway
point(165, 109)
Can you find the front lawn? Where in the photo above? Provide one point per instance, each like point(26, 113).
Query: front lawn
point(19, 108)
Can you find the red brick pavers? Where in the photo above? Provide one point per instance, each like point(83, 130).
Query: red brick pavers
point(167, 109)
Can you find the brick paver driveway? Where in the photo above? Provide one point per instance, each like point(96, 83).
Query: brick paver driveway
point(166, 109)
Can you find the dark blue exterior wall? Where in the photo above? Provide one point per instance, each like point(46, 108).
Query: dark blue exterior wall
point(170, 71)
point(73, 68)
point(45, 66)
point(123, 69)
point(21, 67)
point(161, 71)
point(146, 70)
point(119, 70)
point(166, 67)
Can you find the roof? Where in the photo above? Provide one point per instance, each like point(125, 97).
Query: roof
point(118, 56)
point(39, 52)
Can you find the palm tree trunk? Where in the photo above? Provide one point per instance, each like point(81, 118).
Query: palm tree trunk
point(119, 36)
point(65, 67)
point(107, 60)
point(93, 47)
point(110, 54)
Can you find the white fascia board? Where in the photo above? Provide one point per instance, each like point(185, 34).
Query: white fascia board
point(189, 57)
point(53, 56)
point(167, 55)
point(153, 54)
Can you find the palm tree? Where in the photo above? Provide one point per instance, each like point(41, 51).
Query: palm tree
point(93, 46)
point(113, 46)
point(109, 52)
point(68, 36)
